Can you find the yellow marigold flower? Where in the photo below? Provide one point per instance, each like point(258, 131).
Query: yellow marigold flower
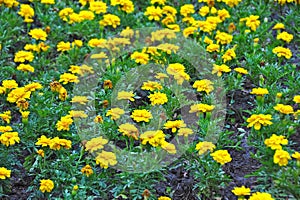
point(87, 170)
point(284, 109)
point(65, 13)
point(281, 157)
point(223, 38)
point(98, 7)
point(229, 55)
point(44, 141)
point(18, 94)
point(213, 47)
point(180, 77)
point(55, 86)
point(168, 48)
point(204, 10)
point(97, 42)
point(95, 144)
point(25, 114)
point(275, 141)
point(205, 146)
point(115, 113)
point(296, 155)
point(74, 17)
point(46, 185)
point(185, 132)
point(201, 108)
point(87, 15)
point(154, 13)
point(296, 99)
point(282, 2)
point(63, 46)
point(259, 91)
point(164, 198)
point(232, 3)
point(9, 84)
point(63, 94)
point(64, 123)
point(154, 138)
point(9, 138)
point(278, 26)
point(241, 191)
point(174, 27)
point(2, 90)
point(22, 56)
point(158, 98)
point(204, 85)
point(221, 156)
point(207, 40)
point(140, 57)
point(79, 99)
point(48, 1)
point(169, 19)
point(189, 31)
point(261, 195)
point(219, 69)
point(125, 95)
point(56, 143)
point(285, 36)
point(74, 69)
point(110, 20)
point(231, 27)
point(129, 130)
point(223, 14)
point(187, 9)
point(161, 76)
point(98, 119)
point(161, 2)
point(68, 78)
point(38, 34)
point(258, 120)
point(169, 10)
point(151, 86)
point(41, 153)
point(78, 114)
point(169, 147)
point(174, 125)
point(4, 173)
point(105, 159)
point(252, 22)
point(127, 6)
point(175, 68)
point(127, 33)
point(67, 144)
point(77, 43)
point(6, 116)
point(107, 84)
point(281, 51)
point(141, 115)
point(22, 104)
point(33, 87)
point(4, 129)
point(27, 12)
point(84, 2)
point(25, 68)
point(241, 70)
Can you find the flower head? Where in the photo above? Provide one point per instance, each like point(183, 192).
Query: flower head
point(281, 51)
point(260, 196)
point(158, 98)
point(284, 109)
point(9, 138)
point(105, 159)
point(221, 156)
point(95, 144)
point(115, 113)
point(281, 157)
point(87, 170)
point(46, 185)
point(258, 120)
point(141, 115)
point(38, 34)
point(219, 69)
point(259, 91)
point(204, 85)
point(205, 146)
point(4, 173)
point(129, 130)
point(276, 141)
point(241, 191)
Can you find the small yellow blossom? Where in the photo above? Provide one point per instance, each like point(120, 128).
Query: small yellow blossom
point(258, 120)
point(281, 157)
point(219, 69)
point(281, 51)
point(275, 141)
point(105, 159)
point(115, 113)
point(158, 98)
point(221, 156)
point(46, 185)
point(284, 109)
point(4, 173)
point(9, 138)
point(259, 91)
point(141, 115)
point(87, 170)
point(241, 191)
point(95, 144)
point(125, 95)
point(205, 146)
